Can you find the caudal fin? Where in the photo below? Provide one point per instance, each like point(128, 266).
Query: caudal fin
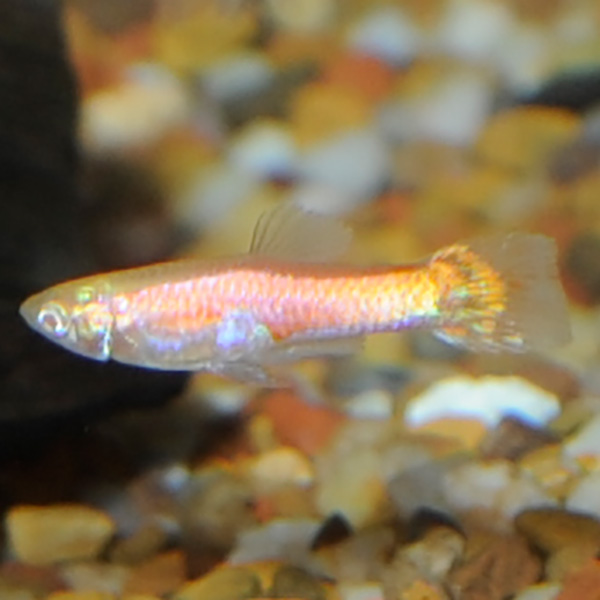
point(502, 293)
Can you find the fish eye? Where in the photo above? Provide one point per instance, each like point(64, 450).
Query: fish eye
point(54, 319)
point(85, 294)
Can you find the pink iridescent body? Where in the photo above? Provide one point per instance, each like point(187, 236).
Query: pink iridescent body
point(286, 300)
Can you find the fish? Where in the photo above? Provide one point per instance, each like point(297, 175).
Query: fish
point(292, 297)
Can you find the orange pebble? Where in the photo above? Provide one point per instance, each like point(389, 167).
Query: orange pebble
point(583, 584)
point(360, 74)
point(296, 423)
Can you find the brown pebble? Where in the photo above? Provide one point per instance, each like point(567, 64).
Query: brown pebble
point(143, 544)
point(160, 575)
point(235, 583)
point(551, 529)
point(568, 560)
point(513, 438)
point(494, 567)
point(44, 535)
point(292, 582)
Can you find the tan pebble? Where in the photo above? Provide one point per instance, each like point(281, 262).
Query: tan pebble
point(144, 543)
point(201, 33)
point(280, 467)
point(46, 535)
point(494, 567)
point(354, 488)
point(551, 529)
point(302, 15)
point(160, 575)
point(547, 466)
point(234, 583)
point(568, 560)
point(434, 555)
point(525, 138)
point(291, 582)
point(468, 432)
point(98, 576)
point(319, 111)
point(90, 595)
point(421, 590)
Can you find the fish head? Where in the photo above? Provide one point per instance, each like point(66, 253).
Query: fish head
point(76, 315)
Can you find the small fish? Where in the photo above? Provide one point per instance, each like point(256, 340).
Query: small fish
point(288, 300)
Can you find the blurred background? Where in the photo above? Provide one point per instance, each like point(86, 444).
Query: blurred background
point(133, 132)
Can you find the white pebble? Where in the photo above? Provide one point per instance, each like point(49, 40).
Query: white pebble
point(136, 113)
point(585, 497)
point(474, 30)
point(452, 113)
point(541, 591)
point(389, 34)
point(360, 591)
point(523, 62)
point(497, 486)
point(265, 150)
point(285, 540)
point(213, 195)
point(371, 404)
point(586, 442)
point(488, 399)
point(237, 76)
point(303, 16)
point(356, 164)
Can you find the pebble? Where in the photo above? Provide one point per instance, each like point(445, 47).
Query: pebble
point(237, 76)
point(387, 33)
point(488, 399)
point(280, 467)
point(584, 444)
point(355, 164)
point(452, 109)
point(265, 150)
point(495, 487)
point(281, 539)
point(582, 585)
point(494, 567)
point(190, 36)
point(550, 469)
point(134, 114)
point(354, 489)
point(320, 111)
point(474, 31)
point(370, 404)
point(540, 591)
point(160, 575)
point(360, 591)
point(526, 138)
point(585, 495)
point(512, 439)
point(292, 582)
point(97, 576)
point(228, 583)
point(306, 16)
point(551, 529)
point(51, 534)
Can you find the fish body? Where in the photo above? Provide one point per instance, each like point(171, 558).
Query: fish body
point(280, 303)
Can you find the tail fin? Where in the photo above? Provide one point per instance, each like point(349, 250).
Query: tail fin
point(502, 293)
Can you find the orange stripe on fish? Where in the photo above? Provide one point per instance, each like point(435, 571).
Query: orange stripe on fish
point(287, 300)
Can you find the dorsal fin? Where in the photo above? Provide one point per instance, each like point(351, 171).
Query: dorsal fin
point(288, 232)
